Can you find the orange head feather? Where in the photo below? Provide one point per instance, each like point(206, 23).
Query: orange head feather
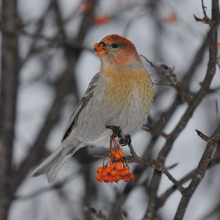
point(116, 50)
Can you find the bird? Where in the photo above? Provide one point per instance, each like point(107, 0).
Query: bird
point(121, 94)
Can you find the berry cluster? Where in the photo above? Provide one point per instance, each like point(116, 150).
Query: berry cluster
point(116, 170)
point(98, 50)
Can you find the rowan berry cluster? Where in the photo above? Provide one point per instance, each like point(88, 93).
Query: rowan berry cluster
point(98, 50)
point(114, 170)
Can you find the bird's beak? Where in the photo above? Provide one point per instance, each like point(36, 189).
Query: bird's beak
point(100, 49)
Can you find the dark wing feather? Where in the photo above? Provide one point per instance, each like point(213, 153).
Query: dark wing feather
point(85, 99)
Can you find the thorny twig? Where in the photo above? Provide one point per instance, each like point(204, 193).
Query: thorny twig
point(205, 138)
point(206, 19)
point(169, 75)
point(156, 132)
point(155, 164)
point(200, 171)
point(96, 213)
point(186, 178)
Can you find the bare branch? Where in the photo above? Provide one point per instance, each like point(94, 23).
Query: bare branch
point(199, 175)
point(98, 214)
point(155, 164)
point(10, 68)
point(205, 138)
point(169, 75)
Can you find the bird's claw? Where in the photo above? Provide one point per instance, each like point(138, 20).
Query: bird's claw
point(118, 131)
point(125, 141)
point(115, 129)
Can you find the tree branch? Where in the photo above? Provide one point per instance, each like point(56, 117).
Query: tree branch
point(8, 103)
point(199, 174)
point(187, 115)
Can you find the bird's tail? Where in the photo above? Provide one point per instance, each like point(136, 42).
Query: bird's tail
point(52, 165)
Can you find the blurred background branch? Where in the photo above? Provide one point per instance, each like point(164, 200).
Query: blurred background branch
point(47, 61)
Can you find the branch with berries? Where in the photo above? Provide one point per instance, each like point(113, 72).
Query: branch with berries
point(117, 168)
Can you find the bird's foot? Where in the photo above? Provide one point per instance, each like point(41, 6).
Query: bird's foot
point(115, 129)
point(125, 141)
point(117, 133)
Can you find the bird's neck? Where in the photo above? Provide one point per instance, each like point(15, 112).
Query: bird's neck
point(108, 69)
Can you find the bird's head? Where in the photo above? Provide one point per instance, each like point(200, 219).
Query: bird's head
point(115, 50)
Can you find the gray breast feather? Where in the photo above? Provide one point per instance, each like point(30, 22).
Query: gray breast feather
point(85, 99)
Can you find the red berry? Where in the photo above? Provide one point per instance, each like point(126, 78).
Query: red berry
point(104, 173)
point(126, 169)
point(121, 152)
point(131, 176)
point(117, 178)
point(108, 170)
point(118, 156)
point(119, 166)
point(113, 173)
point(106, 178)
point(98, 176)
point(100, 169)
point(126, 179)
point(123, 173)
point(111, 178)
point(111, 166)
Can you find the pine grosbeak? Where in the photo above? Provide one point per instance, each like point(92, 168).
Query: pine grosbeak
point(121, 94)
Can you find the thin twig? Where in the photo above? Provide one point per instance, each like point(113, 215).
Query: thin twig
point(155, 132)
point(186, 178)
point(169, 75)
point(155, 164)
point(98, 214)
point(206, 19)
point(205, 138)
point(199, 174)
point(155, 181)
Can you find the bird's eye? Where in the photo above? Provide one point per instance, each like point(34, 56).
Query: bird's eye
point(114, 45)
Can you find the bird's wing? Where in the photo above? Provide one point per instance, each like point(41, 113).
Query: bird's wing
point(85, 99)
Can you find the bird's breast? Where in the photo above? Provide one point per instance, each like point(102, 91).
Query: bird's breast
point(124, 88)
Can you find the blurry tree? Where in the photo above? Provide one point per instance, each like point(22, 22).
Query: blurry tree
point(44, 44)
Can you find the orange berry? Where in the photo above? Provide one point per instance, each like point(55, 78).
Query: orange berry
point(98, 50)
point(113, 152)
point(118, 178)
point(171, 18)
point(113, 173)
point(98, 176)
point(111, 178)
point(99, 20)
point(106, 178)
point(127, 170)
point(131, 176)
point(118, 173)
point(115, 179)
point(118, 156)
point(119, 166)
point(123, 173)
point(85, 6)
point(104, 173)
point(111, 166)
point(121, 152)
point(99, 170)
point(108, 170)
point(126, 179)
